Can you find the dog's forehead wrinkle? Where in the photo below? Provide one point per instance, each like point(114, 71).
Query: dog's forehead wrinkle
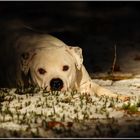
point(52, 65)
point(54, 55)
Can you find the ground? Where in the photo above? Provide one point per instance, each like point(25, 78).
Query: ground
point(36, 113)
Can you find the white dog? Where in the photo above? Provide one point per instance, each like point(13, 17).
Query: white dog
point(45, 61)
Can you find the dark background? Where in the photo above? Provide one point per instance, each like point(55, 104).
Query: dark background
point(95, 26)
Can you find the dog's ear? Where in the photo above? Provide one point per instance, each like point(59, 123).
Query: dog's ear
point(77, 54)
point(25, 61)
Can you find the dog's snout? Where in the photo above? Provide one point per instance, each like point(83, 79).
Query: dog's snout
point(56, 84)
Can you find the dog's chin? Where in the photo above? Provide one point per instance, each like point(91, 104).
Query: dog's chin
point(61, 90)
point(49, 89)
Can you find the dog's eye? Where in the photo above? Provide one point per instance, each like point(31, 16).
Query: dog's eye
point(41, 71)
point(65, 67)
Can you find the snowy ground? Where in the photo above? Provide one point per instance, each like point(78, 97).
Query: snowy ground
point(36, 113)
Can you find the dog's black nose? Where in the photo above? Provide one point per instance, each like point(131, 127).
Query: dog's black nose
point(56, 84)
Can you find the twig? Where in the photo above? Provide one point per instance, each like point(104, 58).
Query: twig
point(114, 60)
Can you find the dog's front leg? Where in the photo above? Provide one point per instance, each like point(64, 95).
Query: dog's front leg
point(92, 88)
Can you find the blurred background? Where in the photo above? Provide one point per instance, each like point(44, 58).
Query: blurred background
point(95, 26)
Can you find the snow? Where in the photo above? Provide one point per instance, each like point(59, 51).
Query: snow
point(28, 112)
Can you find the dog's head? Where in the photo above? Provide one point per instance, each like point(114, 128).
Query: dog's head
point(53, 68)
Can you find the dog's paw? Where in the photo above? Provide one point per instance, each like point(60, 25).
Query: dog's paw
point(124, 97)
